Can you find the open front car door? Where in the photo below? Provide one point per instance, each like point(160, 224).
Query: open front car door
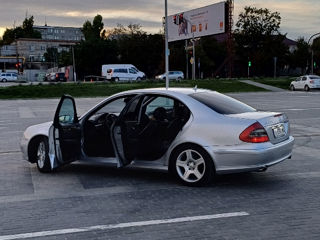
point(64, 134)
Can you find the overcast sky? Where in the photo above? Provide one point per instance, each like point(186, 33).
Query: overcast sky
point(299, 18)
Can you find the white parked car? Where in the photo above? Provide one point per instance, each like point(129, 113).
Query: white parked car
point(173, 75)
point(306, 83)
point(8, 77)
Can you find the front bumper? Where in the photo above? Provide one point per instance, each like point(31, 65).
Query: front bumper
point(252, 157)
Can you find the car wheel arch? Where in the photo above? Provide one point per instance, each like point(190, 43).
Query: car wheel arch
point(306, 87)
point(185, 144)
point(32, 147)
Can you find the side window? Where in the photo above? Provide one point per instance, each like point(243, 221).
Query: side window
point(115, 106)
point(133, 111)
point(66, 113)
point(304, 78)
point(132, 71)
point(124, 70)
point(166, 103)
point(116, 70)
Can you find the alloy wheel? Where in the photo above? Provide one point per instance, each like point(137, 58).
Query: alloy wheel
point(41, 154)
point(190, 166)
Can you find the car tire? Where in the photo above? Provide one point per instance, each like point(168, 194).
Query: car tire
point(4, 80)
point(116, 79)
point(138, 79)
point(292, 88)
point(306, 88)
point(192, 165)
point(42, 155)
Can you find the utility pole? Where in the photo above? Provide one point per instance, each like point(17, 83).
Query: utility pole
point(74, 66)
point(166, 45)
point(187, 62)
point(194, 59)
point(17, 59)
point(275, 67)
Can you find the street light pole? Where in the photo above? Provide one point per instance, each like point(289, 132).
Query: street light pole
point(74, 66)
point(166, 45)
point(194, 59)
point(312, 51)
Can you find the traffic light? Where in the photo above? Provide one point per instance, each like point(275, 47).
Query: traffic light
point(180, 18)
point(314, 64)
point(175, 19)
point(249, 63)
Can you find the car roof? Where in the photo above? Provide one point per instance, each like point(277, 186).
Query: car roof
point(311, 76)
point(169, 91)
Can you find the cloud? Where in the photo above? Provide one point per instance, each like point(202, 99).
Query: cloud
point(298, 17)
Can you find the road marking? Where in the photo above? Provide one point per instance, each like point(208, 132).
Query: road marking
point(122, 225)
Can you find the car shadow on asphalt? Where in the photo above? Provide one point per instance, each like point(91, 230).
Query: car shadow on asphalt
point(100, 176)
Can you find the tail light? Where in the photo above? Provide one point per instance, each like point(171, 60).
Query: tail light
point(57, 75)
point(311, 81)
point(255, 133)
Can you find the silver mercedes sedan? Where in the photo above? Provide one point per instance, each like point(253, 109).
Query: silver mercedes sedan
point(194, 133)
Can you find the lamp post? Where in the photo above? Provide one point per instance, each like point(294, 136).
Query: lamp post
point(312, 53)
point(166, 45)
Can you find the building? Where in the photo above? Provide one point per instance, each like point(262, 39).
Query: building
point(60, 33)
point(34, 49)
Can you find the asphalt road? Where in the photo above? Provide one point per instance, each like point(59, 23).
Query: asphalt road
point(101, 202)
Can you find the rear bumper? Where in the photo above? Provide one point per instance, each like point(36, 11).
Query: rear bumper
point(252, 157)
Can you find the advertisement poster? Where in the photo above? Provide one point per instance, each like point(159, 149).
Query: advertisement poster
point(199, 22)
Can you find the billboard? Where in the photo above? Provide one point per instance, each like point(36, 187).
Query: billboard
point(199, 22)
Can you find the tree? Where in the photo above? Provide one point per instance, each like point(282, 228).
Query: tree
point(300, 57)
point(135, 46)
point(258, 39)
point(24, 31)
point(258, 22)
point(95, 50)
point(94, 30)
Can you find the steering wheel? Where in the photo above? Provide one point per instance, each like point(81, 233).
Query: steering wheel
point(109, 119)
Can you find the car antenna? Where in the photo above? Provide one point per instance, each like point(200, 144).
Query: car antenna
point(195, 88)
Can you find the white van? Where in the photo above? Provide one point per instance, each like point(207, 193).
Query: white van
point(121, 72)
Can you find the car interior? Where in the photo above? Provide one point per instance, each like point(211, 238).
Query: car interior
point(148, 125)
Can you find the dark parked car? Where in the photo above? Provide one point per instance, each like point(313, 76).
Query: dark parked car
point(60, 77)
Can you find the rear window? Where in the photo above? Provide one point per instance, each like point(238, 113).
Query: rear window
point(315, 77)
point(221, 103)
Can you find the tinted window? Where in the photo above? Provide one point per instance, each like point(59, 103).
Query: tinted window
point(66, 113)
point(221, 103)
point(132, 71)
point(314, 77)
point(166, 103)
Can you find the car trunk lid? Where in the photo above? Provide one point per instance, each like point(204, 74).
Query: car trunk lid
point(276, 124)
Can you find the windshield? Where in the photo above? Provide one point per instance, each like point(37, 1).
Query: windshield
point(221, 103)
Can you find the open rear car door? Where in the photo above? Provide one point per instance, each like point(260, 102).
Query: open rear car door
point(125, 130)
point(64, 134)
